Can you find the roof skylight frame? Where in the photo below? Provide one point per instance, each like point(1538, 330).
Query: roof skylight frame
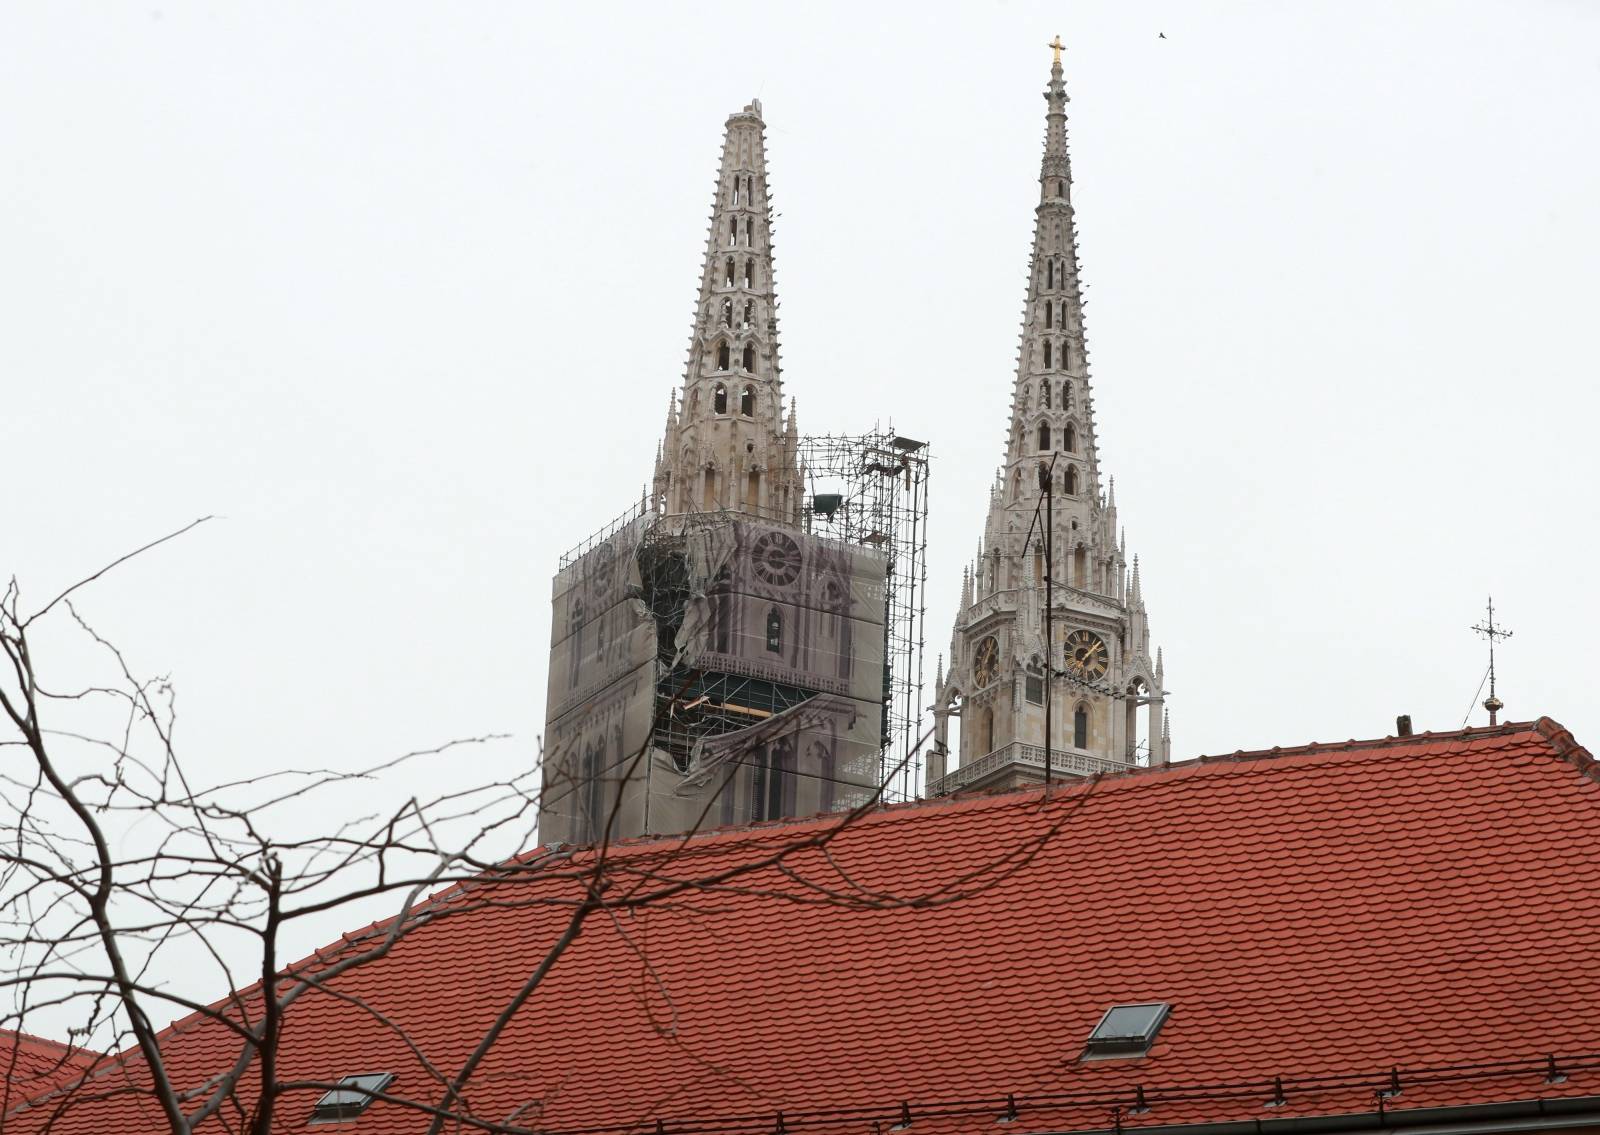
point(1126, 1029)
point(350, 1098)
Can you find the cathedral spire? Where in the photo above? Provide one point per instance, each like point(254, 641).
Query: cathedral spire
point(728, 452)
point(1004, 681)
point(1050, 400)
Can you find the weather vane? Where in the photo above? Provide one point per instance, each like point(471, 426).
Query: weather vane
point(1491, 632)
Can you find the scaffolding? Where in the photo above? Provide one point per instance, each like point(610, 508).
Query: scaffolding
point(863, 491)
point(871, 490)
point(693, 703)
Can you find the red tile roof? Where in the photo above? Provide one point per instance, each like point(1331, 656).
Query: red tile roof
point(1315, 916)
point(32, 1064)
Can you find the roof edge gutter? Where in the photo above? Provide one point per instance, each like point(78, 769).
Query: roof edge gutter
point(1522, 1115)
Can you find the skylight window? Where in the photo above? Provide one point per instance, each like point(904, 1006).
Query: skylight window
point(1127, 1030)
point(350, 1098)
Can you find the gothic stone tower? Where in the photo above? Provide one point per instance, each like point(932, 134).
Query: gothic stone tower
point(727, 446)
point(1098, 671)
point(712, 661)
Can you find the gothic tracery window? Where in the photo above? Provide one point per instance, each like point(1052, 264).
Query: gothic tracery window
point(775, 631)
point(1047, 362)
point(1080, 727)
point(1033, 686)
point(749, 359)
point(723, 355)
point(1072, 479)
point(719, 399)
point(1044, 437)
point(747, 401)
point(1071, 442)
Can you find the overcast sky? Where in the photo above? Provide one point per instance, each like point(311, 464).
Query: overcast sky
point(400, 291)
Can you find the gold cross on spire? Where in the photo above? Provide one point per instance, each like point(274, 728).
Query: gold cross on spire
point(1057, 46)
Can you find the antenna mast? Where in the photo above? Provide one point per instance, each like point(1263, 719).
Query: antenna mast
point(1491, 632)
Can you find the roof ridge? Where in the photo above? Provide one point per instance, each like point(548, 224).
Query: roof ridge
point(1567, 746)
point(642, 844)
point(1392, 740)
point(35, 1038)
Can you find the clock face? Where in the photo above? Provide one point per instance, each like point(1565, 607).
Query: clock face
point(776, 559)
point(1086, 654)
point(986, 661)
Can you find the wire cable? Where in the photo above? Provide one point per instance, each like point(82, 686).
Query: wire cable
point(1474, 703)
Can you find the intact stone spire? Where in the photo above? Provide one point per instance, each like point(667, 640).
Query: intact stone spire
point(1096, 673)
point(729, 447)
point(1050, 404)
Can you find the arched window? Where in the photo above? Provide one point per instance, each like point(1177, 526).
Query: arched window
point(749, 189)
point(733, 231)
point(719, 399)
point(722, 355)
point(727, 313)
point(749, 359)
point(775, 631)
point(1063, 313)
point(747, 401)
point(1027, 396)
point(730, 271)
point(1080, 727)
point(749, 313)
point(1044, 437)
point(749, 273)
point(1049, 314)
point(1047, 362)
point(736, 191)
point(1071, 442)
point(986, 730)
point(748, 239)
point(694, 403)
point(1080, 568)
point(1044, 394)
point(767, 779)
point(1050, 274)
point(1044, 477)
point(1072, 479)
